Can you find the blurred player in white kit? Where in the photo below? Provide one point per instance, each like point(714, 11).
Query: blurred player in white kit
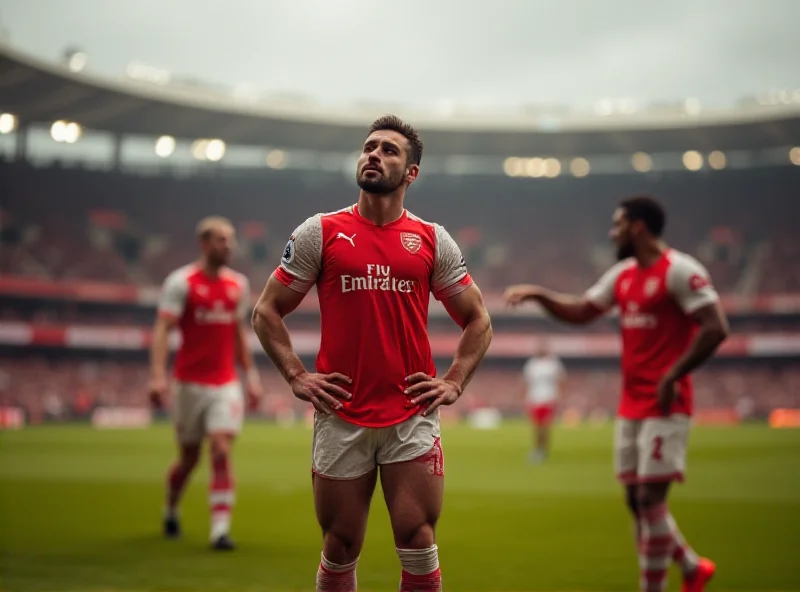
point(209, 304)
point(545, 378)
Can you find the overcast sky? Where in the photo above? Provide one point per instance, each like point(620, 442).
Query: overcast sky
point(424, 51)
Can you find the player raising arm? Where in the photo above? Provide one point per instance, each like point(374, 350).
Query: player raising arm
point(208, 303)
point(671, 323)
point(375, 389)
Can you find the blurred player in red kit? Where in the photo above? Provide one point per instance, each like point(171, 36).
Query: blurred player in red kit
point(209, 303)
point(671, 323)
point(376, 396)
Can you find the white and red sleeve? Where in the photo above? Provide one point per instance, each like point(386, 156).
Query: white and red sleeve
point(172, 301)
point(301, 262)
point(689, 283)
point(602, 294)
point(450, 276)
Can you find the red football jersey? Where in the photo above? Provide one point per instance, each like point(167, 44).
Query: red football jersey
point(374, 285)
point(655, 305)
point(209, 311)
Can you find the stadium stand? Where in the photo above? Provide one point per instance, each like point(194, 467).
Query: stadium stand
point(87, 236)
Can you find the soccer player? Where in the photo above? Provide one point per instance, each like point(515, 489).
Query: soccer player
point(375, 389)
point(671, 323)
point(208, 302)
point(545, 378)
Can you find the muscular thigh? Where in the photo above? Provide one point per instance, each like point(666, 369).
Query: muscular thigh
point(414, 491)
point(342, 506)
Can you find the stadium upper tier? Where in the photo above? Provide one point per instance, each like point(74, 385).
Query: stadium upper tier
point(66, 223)
point(37, 92)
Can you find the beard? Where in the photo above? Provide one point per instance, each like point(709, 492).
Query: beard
point(219, 259)
point(625, 251)
point(381, 185)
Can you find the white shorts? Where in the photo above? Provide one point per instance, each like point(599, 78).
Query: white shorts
point(342, 450)
point(651, 450)
point(202, 409)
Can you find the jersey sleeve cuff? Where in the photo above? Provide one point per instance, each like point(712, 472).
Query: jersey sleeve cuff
point(454, 289)
point(598, 306)
point(291, 282)
point(695, 305)
point(170, 315)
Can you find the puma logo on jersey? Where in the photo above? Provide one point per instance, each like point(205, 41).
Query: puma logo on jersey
point(349, 239)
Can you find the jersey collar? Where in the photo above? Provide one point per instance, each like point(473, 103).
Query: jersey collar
point(364, 220)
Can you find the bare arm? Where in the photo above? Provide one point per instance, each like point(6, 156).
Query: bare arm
point(576, 310)
point(245, 359)
point(322, 391)
point(159, 347)
point(243, 355)
point(713, 331)
point(159, 357)
point(275, 302)
point(468, 310)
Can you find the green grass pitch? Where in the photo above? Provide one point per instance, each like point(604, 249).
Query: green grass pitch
point(80, 510)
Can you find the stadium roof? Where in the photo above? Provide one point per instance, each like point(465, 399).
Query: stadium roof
point(40, 92)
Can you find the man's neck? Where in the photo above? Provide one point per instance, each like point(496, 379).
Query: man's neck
point(209, 269)
point(381, 209)
point(650, 252)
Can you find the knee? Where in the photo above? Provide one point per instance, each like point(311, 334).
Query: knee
point(417, 536)
point(340, 546)
point(220, 448)
point(189, 458)
point(647, 497)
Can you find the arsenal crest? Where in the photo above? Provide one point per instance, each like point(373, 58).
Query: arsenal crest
point(411, 242)
point(697, 282)
point(651, 286)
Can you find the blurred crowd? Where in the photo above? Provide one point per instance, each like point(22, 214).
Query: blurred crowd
point(54, 390)
point(75, 224)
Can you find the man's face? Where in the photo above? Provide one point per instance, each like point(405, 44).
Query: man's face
point(218, 247)
point(382, 167)
point(621, 234)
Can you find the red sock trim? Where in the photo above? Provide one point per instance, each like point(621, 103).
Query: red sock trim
point(431, 582)
point(336, 581)
point(654, 576)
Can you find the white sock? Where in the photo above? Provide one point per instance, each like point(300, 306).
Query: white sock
point(419, 562)
point(220, 524)
point(170, 512)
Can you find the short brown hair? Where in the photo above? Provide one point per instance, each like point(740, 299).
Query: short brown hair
point(207, 225)
point(395, 124)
